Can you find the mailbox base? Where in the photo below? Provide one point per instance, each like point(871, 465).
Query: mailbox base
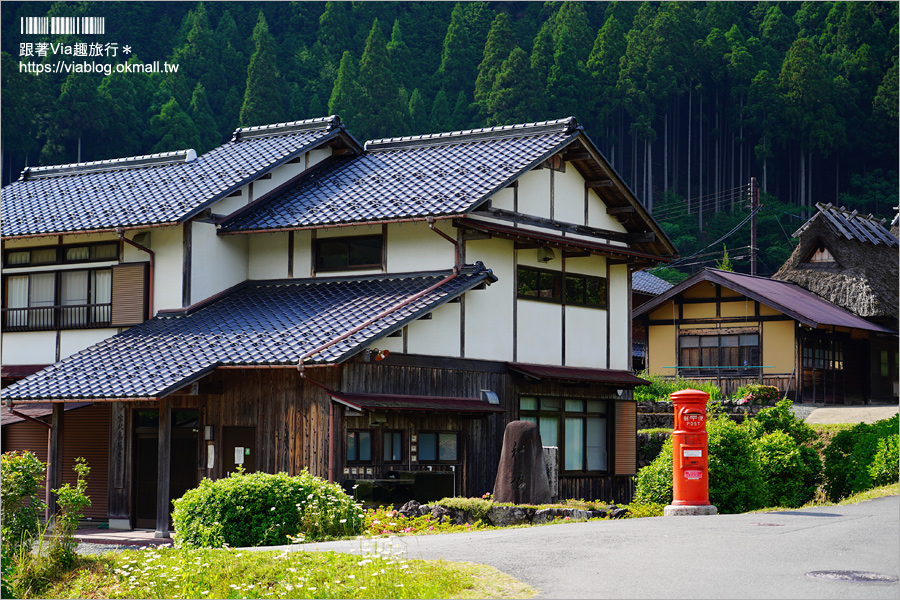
point(688, 511)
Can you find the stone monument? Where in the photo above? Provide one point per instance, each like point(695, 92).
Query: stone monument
point(521, 474)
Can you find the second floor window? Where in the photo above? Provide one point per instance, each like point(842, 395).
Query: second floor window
point(553, 286)
point(346, 253)
point(63, 299)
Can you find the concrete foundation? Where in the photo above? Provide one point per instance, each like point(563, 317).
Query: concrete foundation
point(688, 511)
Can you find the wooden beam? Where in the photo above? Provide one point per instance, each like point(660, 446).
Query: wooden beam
point(620, 210)
point(554, 225)
point(569, 156)
point(164, 468)
point(592, 185)
point(54, 468)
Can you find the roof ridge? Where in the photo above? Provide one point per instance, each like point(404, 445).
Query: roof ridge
point(850, 215)
point(565, 125)
point(329, 123)
point(111, 164)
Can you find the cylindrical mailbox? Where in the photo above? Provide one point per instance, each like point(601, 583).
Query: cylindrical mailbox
point(690, 461)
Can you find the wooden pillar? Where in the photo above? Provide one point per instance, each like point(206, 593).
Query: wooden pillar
point(119, 479)
point(54, 469)
point(165, 460)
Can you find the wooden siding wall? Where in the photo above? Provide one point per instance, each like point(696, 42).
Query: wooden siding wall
point(481, 439)
point(84, 435)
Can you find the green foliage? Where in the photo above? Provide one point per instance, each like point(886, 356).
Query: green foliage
point(791, 472)
point(260, 509)
point(477, 507)
point(725, 263)
point(885, 467)
point(661, 388)
point(71, 501)
point(383, 112)
point(653, 483)
point(22, 475)
point(848, 457)
point(735, 482)
point(781, 418)
point(262, 96)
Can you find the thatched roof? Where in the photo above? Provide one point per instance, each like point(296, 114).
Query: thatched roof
point(862, 275)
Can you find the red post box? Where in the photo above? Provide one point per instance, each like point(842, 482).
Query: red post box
point(690, 460)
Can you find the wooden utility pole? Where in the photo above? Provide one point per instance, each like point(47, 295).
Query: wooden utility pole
point(754, 206)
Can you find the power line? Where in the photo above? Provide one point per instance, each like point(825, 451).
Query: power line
point(730, 233)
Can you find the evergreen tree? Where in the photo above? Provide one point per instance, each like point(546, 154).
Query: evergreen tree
point(19, 130)
point(334, 33)
point(262, 98)
point(513, 94)
point(400, 56)
point(118, 100)
point(603, 69)
point(224, 103)
point(462, 46)
point(172, 129)
point(418, 117)
point(500, 42)
point(440, 113)
point(203, 120)
point(346, 97)
point(565, 83)
point(542, 61)
point(380, 106)
point(461, 117)
point(571, 21)
point(75, 116)
point(316, 108)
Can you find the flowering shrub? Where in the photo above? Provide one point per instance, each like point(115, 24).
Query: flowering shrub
point(756, 394)
point(260, 509)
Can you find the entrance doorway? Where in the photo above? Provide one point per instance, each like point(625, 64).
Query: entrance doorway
point(183, 474)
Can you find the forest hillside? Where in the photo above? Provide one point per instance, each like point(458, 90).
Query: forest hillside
point(688, 100)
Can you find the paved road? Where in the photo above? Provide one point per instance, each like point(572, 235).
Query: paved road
point(763, 555)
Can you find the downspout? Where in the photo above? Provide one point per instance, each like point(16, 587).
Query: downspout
point(456, 253)
point(49, 427)
point(121, 234)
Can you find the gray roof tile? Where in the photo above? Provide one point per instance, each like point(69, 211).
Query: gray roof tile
point(852, 225)
point(258, 323)
point(410, 177)
point(154, 189)
point(647, 283)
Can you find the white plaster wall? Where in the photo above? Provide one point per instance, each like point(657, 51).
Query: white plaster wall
point(86, 238)
point(254, 190)
point(597, 216)
point(489, 312)
point(534, 193)
point(619, 342)
point(539, 332)
point(229, 204)
point(586, 265)
point(302, 254)
point(317, 156)
point(29, 348)
point(217, 262)
point(585, 337)
point(30, 242)
point(504, 199)
point(166, 243)
point(268, 255)
point(438, 336)
point(73, 340)
point(413, 247)
point(568, 195)
point(391, 344)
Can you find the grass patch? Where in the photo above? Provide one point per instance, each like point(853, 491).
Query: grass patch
point(881, 491)
point(655, 430)
point(229, 573)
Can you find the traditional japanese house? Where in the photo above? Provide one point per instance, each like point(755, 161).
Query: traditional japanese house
point(851, 260)
point(735, 329)
point(294, 300)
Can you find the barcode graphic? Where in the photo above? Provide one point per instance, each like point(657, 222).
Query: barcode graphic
point(63, 25)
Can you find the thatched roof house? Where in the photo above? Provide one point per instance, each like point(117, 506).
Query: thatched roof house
point(848, 259)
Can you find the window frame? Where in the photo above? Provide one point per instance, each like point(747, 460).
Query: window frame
point(356, 433)
point(704, 351)
point(437, 449)
point(562, 279)
point(318, 255)
point(60, 251)
point(562, 414)
point(59, 311)
point(389, 434)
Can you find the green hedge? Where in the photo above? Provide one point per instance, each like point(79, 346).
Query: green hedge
point(259, 509)
point(852, 452)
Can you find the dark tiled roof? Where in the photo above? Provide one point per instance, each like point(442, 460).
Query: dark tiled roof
point(787, 298)
point(410, 177)
point(647, 283)
point(852, 225)
point(402, 402)
point(612, 377)
point(259, 323)
point(36, 411)
point(154, 189)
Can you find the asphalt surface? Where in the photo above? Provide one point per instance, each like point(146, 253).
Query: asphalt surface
point(761, 555)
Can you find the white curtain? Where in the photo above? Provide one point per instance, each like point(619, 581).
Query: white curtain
point(41, 292)
point(17, 297)
point(101, 293)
